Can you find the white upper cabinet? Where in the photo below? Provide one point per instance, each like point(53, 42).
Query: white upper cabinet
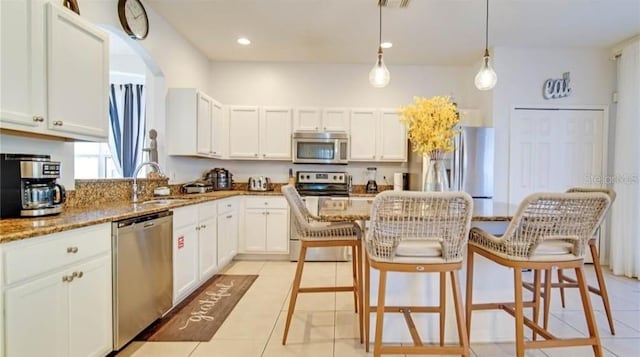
point(377, 135)
point(392, 142)
point(275, 133)
point(204, 133)
point(22, 103)
point(335, 119)
point(244, 132)
point(260, 134)
point(317, 119)
point(308, 119)
point(196, 124)
point(363, 134)
point(55, 72)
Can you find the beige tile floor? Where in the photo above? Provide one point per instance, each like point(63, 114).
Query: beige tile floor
point(324, 325)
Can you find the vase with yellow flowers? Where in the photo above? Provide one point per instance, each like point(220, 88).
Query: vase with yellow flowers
point(431, 128)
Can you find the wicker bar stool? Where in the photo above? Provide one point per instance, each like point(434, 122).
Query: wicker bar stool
point(417, 232)
point(549, 230)
point(314, 233)
point(565, 281)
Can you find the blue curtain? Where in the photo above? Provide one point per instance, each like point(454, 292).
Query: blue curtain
point(127, 116)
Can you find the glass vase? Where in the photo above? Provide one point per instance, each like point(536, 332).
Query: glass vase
point(436, 179)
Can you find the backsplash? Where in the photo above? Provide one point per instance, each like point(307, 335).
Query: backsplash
point(103, 191)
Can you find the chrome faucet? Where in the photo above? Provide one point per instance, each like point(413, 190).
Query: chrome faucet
point(135, 177)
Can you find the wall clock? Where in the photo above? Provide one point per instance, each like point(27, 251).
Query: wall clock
point(133, 18)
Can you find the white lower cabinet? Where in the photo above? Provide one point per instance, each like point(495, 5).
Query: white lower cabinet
point(265, 227)
point(63, 309)
point(194, 247)
point(227, 230)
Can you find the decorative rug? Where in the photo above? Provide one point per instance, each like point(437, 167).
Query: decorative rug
point(198, 317)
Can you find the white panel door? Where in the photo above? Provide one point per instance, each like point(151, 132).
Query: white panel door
point(22, 66)
point(36, 318)
point(308, 119)
point(277, 232)
point(363, 131)
point(185, 261)
point(392, 145)
point(204, 119)
point(78, 74)
point(244, 132)
point(255, 222)
point(552, 150)
point(90, 318)
point(219, 132)
point(207, 247)
point(335, 119)
point(275, 133)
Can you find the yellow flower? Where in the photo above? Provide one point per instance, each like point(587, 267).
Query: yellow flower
point(431, 124)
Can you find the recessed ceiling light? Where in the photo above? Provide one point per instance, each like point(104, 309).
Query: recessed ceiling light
point(386, 45)
point(244, 41)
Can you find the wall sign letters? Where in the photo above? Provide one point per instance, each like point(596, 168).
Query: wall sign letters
point(556, 88)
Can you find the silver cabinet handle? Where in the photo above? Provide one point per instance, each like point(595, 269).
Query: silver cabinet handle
point(203, 226)
point(57, 123)
point(72, 250)
point(197, 228)
point(267, 213)
point(229, 206)
point(77, 274)
point(316, 128)
point(266, 203)
point(67, 278)
point(325, 128)
point(38, 119)
point(255, 155)
point(229, 216)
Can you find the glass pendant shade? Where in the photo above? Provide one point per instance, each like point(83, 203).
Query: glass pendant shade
point(379, 75)
point(486, 78)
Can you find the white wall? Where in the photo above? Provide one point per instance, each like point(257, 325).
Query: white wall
point(521, 74)
point(323, 85)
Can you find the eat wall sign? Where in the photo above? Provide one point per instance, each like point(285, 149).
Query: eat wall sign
point(556, 88)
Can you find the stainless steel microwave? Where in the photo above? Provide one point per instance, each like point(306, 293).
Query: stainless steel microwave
point(320, 148)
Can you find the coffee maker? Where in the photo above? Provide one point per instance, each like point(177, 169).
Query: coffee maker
point(28, 186)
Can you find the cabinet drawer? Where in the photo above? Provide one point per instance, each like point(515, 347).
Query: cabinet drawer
point(265, 202)
point(227, 205)
point(207, 210)
point(184, 216)
point(31, 257)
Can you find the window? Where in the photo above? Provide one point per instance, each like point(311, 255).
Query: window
point(94, 160)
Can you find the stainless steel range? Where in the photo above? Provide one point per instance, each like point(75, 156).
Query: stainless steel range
point(312, 185)
point(322, 183)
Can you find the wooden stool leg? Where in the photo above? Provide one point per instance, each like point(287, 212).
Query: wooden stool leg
point(354, 270)
point(382, 286)
point(462, 334)
point(547, 298)
point(469, 290)
point(362, 309)
point(561, 280)
point(602, 284)
point(536, 298)
point(367, 303)
point(294, 290)
point(443, 304)
point(519, 307)
point(588, 311)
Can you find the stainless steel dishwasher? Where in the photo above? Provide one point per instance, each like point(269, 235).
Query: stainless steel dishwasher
point(142, 273)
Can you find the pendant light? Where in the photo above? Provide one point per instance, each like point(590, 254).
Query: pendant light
point(486, 78)
point(379, 76)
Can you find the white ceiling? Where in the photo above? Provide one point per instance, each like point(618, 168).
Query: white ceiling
point(438, 32)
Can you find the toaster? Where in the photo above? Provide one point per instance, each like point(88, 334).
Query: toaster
point(259, 183)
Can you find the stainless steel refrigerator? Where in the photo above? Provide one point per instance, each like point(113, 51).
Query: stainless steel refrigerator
point(469, 166)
